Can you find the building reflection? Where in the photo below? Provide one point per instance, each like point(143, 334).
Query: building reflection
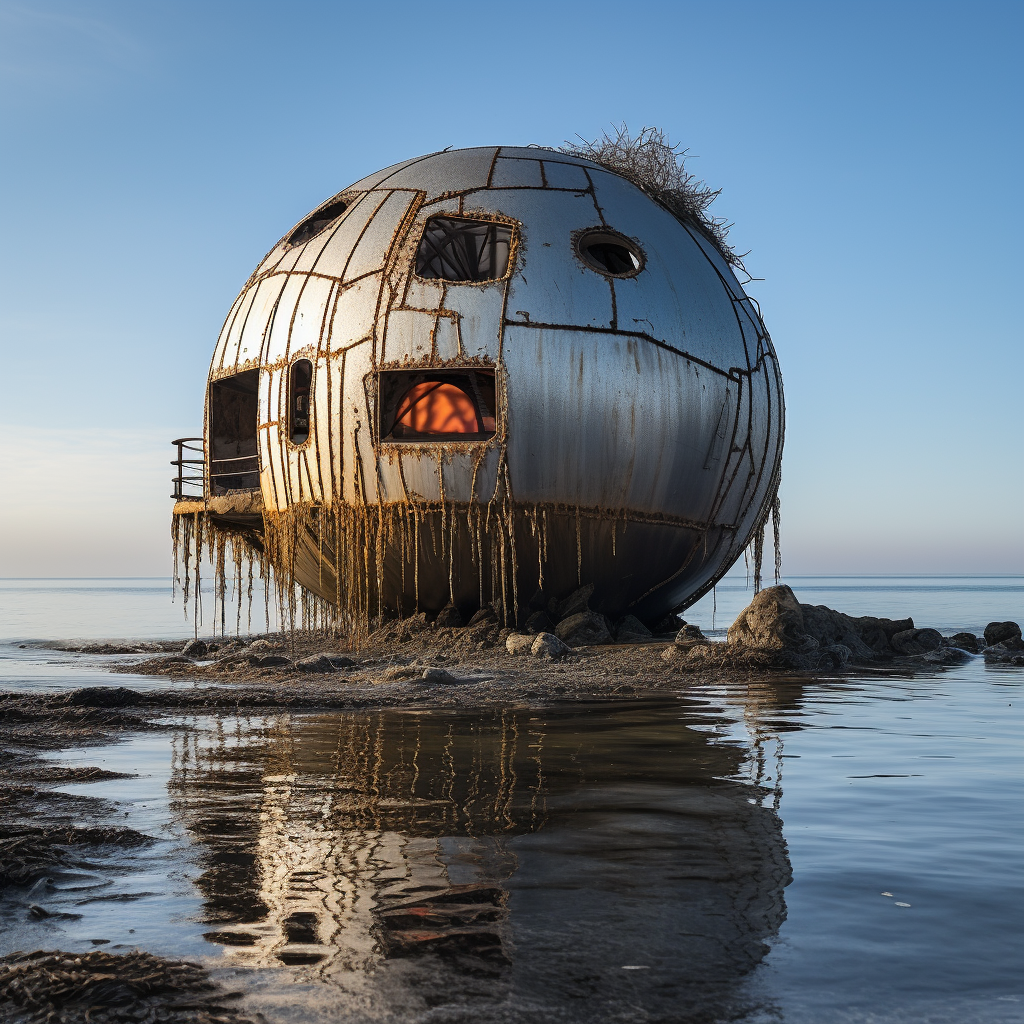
point(542, 846)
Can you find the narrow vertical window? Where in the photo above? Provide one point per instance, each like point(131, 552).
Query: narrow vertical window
point(300, 381)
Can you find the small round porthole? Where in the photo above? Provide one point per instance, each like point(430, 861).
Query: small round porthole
point(610, 253)
point(317, 221)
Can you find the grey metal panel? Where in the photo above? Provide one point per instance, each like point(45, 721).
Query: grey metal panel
point(376, 241)
point(251, 337)
point(609, 421)
point(355, 312)
point(516, 174)
point(374, 180)
point(563, 175)
point(407, 336)
point(478, 308)
point(550, 284)
point(445, 172)
point(317, 295)
point(276, 345)
point(420, 468)
point(327, 252)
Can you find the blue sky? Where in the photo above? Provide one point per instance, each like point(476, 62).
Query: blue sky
point(868, 154)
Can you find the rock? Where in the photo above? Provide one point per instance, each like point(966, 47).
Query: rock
point(539, 622)
point(830, 627)
point(575, 603)
point(772, 621)
point(438, 676)
point(583, 629)
point(916, 641)
point(997, 632)
point(547, 645)
point(946, 656)
point(264, 645)
point(448, 617)
point(102, 697)
point(964, 642)
point(318, 663)
point(832, 657)
point(339, 660)
point(630, 630)
point(688, 636)
point(518, 643)
point(196, 649)
point(668, 624)
point(1010, 652)
point(485, 614)
point(415, 623)
point(268, 660)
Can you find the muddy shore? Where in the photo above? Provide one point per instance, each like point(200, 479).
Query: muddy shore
point(47, 835)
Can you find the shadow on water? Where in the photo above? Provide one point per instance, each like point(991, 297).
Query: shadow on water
point(612, 862)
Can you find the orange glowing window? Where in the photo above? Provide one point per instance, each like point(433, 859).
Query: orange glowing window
point(456, 406)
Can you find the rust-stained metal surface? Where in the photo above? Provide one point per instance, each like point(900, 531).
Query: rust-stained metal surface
point(639, 421)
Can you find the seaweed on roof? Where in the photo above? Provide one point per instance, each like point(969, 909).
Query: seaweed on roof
point(658, 167)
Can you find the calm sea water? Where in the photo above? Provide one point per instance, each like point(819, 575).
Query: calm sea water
point(803, 851)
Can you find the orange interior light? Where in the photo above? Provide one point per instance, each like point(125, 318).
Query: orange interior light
point(436, 407)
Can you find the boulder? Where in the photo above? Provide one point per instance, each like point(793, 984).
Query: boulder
point(773, 621)
point(519, 643)
point(576, 602)
point(964, 642)
point(830, 627)
point(689, 636)
point(438, 676)
point(668, 624)
point(317, 663)
point(547, 645)
point(264, 645)
point(630, 630)
point(340, 660)
point(1010, 652)
point(268, 660)
point(583, 629)
point(196, 649)
point(997, 632)
point(485, 614)
point(832, 657)
point(946, 656)
point(916, 641)
point(539, 622)
point(448, 617)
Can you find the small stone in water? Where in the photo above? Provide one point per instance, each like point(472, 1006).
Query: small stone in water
point(886, 893)
point(635, 967)
point(902, 904)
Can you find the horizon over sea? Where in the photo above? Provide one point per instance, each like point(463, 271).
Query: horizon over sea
point(797, 850)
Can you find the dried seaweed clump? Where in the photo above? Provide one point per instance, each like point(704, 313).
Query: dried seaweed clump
point(657, 167)
point(103, 988)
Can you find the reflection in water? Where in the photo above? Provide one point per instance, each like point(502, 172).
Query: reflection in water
point(550, 851)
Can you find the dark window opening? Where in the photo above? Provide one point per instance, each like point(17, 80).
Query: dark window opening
point(233, 447)
point(454, 249)
point(317, 221)
point(300, 382)
point(447, 405)
point(610, 253)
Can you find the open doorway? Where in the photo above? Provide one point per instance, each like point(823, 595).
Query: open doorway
point(233, 447)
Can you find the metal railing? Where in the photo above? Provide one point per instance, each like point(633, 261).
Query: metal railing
point(236, 474)
point(187, 483)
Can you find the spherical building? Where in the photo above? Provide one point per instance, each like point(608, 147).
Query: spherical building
point(483, 373)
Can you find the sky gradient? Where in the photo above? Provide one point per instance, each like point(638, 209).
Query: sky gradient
point(869, 156)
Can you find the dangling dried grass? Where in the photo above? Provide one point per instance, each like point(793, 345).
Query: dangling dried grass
point(658, 167)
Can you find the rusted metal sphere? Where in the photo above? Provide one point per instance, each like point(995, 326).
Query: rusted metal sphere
point(485, 372)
